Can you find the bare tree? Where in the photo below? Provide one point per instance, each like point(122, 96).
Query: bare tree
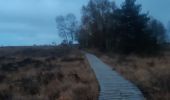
point(61, 26)
point(71, 25)
point(67, 27)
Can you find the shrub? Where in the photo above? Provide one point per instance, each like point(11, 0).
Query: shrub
point(71, 59)
point(45, 78)
point(29, 86)
point(9, 67)
point(2, 77)
point(5, 95)
point(29, 61)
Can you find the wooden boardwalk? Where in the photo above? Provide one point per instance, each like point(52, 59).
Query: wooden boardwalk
point(112, 85)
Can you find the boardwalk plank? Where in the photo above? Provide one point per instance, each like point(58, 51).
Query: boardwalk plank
point(112, 85)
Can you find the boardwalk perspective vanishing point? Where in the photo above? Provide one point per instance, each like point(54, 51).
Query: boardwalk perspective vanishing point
point(112, 85)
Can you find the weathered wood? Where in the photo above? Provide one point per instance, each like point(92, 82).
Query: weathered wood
point(112, 85)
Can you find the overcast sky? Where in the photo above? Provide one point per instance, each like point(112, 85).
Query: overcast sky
point(28, 22)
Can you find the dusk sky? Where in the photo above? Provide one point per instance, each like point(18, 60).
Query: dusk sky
point(28, 22)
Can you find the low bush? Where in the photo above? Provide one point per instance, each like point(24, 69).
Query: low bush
point(9, 67)
point(5, 95)
point(29, 86)
point(71, 59)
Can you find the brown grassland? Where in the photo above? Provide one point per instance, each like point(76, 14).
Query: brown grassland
point(45, 73)
point(150, 74)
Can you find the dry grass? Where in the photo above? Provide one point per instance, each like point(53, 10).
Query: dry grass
point(46, 76)
point(150, 74)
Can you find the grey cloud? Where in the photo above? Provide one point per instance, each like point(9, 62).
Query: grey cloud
point(34, 20)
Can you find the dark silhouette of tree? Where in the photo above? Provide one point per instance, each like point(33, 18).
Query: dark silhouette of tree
point(159, 31)
point(134, 35)
point(95, 22)
point(83, 37)
point(124, 30)
point(168, 32)
point(168, 26)
point(67, 27)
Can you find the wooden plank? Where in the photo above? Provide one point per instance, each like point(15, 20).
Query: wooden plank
point(113, 86)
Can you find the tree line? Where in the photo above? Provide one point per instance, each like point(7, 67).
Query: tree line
point(122, 29)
